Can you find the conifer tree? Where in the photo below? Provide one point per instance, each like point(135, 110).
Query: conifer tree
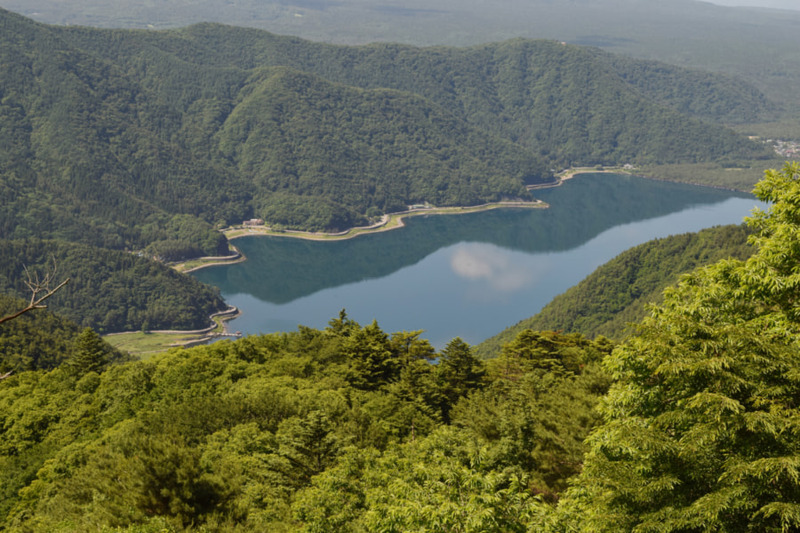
point(459, 371)
point(90, 353)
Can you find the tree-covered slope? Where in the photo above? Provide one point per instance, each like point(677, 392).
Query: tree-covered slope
point(297, 135)
point(109, 135)
point(76, 163)
point(618, 292)
point(109, 290)
point(757, 44)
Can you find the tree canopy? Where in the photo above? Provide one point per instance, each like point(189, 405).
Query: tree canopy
point(700, 429)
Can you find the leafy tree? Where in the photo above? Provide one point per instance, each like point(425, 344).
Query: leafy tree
point(432, 484)
point(306, 447)
point(701, 430)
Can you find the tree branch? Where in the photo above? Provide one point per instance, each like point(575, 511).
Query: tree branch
point(40, 291)
point(36, 301)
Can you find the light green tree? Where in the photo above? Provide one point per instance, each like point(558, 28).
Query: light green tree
point(702, 428)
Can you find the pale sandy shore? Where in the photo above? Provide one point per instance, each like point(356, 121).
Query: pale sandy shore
point(387, 222)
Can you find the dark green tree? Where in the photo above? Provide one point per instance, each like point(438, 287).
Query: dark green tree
point(90, 353)
point(372, 362)
point(458, 372)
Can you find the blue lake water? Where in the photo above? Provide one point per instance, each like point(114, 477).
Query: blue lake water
point(467, 276)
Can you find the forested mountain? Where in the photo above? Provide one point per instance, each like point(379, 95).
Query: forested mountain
point(109, 290)
point(618, 292)
point(691, 423)
point(110, 137)
point(759, 45)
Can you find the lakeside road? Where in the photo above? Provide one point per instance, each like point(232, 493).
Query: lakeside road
point(387, 222)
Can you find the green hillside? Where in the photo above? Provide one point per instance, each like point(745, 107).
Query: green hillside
point(296, 430)
point(113, 138)
point(109, 290)
point(525, 91)
point(617, 293)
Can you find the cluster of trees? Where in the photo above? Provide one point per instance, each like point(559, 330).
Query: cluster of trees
point(109, 290)
point(327, 430)
point(689, 425)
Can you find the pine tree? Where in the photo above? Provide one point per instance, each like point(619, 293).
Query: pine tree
point(458, 372)
point(90, 353)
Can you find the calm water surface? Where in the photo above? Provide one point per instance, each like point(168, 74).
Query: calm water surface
point(470, 275)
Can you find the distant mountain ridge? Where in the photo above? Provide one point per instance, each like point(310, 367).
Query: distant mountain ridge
point(111, 136)
point(760, 45)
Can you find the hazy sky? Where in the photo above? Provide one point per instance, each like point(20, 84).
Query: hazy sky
point(779, 4)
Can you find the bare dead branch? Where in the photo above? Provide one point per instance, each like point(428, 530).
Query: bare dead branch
point(36, 301)
point(39, 287)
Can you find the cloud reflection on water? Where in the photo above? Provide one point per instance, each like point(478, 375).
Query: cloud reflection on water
point(494, 265)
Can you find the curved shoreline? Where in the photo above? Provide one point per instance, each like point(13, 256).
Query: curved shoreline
point(203, 262)
point(388, 222)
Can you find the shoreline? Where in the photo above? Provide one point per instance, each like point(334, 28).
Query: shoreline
point(388, 222)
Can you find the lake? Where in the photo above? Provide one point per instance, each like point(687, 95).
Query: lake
point(467, 276)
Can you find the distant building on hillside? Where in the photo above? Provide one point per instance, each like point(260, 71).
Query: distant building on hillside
point(253, 222)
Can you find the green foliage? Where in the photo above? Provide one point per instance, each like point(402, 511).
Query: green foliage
point(111, 290)
point(700, 430)
point(341, 429)
point(40, 339)
point(458, 372)
point(754, 44)
point(37, 339)
point(89, 353)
